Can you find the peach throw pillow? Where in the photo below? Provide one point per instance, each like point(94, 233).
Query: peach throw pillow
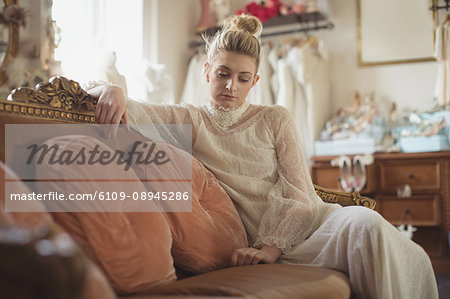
point(204, 239)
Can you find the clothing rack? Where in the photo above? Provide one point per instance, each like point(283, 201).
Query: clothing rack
point(310, 21)
point(277, 26)
point(316, 27)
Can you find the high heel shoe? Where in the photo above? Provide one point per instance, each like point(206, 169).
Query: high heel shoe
point(345, 166)
point(359, 171)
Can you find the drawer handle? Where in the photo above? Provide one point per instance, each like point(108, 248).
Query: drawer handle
point(410, 176)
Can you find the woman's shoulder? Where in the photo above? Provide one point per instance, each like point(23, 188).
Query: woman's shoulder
point(276, 117)
point(275, 113)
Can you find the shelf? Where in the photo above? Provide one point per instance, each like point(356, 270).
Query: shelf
point(307, 17)
point(290, 24)
point(280, 25)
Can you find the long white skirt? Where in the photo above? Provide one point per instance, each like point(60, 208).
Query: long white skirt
point(379, 260)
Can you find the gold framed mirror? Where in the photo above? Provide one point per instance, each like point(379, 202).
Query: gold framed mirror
point(392, 32)
point(9, 42)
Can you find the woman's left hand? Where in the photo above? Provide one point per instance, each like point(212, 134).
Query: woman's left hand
point(252, 256)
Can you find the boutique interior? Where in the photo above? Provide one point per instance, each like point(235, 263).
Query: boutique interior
point(366, 83)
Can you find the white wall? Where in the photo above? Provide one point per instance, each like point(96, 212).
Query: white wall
point(410, 85)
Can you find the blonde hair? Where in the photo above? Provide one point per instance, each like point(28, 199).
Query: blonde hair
point(240, 34)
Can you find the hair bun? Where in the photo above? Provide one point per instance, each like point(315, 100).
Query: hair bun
point(244, 22)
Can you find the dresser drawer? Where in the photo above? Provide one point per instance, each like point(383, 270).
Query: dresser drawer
point(423, 210)
point(430, 238)
point(328, 177)
point(420, 175)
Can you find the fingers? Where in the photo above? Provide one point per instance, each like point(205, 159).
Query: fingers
point(111, 106)
point(257, 259)
point(110, 117)
point(100, 114)
point(246, 256)
point(116, 117)
point(108, 113)
point(125, 121)
point(111, 109)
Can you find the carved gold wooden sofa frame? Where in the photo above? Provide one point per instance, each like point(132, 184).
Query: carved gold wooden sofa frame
point(63, 101)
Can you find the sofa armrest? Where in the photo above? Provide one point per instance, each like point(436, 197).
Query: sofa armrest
point(344, 198)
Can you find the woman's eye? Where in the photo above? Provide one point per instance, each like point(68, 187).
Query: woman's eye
point(244, 80)
point(223, 75)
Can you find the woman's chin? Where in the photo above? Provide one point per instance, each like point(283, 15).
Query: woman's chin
point(226, 102)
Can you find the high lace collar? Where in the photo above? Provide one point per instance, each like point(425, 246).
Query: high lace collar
point(226, 117)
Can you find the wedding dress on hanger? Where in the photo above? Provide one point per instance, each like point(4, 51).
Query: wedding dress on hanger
point(442, 54)
point(196, 89)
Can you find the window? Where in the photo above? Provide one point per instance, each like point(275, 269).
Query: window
point(95, 32)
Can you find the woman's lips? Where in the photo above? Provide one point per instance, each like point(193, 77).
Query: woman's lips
point(228, 96)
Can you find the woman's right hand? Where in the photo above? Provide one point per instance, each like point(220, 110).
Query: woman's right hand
point(111, 106)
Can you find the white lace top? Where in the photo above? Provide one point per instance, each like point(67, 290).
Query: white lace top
point(255, 154)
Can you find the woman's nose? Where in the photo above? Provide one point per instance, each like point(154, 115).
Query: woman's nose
point(230, 86)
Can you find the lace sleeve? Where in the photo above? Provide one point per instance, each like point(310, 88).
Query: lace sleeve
point(92, 84)
point(140, 114)
point(294, 210)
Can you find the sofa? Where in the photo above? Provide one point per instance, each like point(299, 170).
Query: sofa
point(136, 255)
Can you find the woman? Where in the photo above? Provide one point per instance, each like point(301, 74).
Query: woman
point(255, 153)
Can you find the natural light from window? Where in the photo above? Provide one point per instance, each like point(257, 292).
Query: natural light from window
point(91, 30)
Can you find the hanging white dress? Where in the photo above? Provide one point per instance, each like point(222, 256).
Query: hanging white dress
point(300, 105)
point(255, 154)
point(264, 95)
point(261, 93)
point(442, 54)
point(272, 58)
point(285, 95)
point(196, 89)
point(310, 70)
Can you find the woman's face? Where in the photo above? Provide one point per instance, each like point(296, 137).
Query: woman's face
point(231, 76)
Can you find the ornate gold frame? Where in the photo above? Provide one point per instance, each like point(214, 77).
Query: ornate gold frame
point(13, 46)
point(59, 99)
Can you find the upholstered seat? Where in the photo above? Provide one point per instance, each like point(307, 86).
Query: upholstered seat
point(261, 281)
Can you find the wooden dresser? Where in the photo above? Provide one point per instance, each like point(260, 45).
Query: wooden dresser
point(428, 207)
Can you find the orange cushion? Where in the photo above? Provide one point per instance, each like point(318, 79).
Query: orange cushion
point(132, 248)
point(204, 239)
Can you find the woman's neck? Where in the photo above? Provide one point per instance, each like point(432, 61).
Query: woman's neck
point(225, 118)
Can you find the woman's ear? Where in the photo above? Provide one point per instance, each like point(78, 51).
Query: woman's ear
point(255, 80)
point(206, 68)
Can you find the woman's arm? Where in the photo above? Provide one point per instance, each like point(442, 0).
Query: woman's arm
point(294, 211)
